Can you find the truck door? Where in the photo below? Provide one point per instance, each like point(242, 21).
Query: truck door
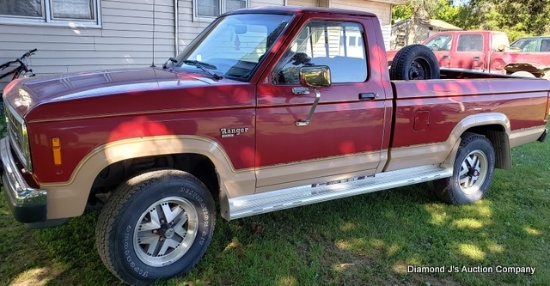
point(441, 46)
point(470, 52)
point(344, 138)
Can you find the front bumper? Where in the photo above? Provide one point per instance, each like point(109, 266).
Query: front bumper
point(28, 204)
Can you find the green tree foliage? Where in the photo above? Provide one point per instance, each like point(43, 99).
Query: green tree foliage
point(415, 8)
point(516, 18)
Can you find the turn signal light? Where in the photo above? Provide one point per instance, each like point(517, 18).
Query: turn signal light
point(56, 148)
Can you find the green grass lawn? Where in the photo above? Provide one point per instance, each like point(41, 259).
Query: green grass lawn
point(370, 239)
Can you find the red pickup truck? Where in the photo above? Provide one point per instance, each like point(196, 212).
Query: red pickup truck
point(486, 51)
point(268, 109)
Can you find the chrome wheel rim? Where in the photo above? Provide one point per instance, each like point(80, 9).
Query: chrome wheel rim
point(165, 231)
point(473, 172)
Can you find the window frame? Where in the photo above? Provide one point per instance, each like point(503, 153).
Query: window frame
point(447, 39)
point(361, 38)
point(221, 10)
point(469, 38)
point(47, 18)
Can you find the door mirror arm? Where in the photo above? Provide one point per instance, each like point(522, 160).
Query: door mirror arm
point(314, 76)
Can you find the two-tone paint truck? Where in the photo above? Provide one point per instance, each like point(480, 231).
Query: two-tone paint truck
point(268, 109)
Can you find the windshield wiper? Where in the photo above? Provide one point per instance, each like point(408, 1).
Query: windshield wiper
point(206, 67)
point(172, 60)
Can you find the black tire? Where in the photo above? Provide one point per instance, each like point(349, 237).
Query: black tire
point(414, 62)
point(155, 226)
point(473, 172)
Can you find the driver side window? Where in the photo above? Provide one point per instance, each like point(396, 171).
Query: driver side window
point(440, 43)
point(338, 45)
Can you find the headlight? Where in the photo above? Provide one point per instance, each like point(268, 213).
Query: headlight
point(19, 138)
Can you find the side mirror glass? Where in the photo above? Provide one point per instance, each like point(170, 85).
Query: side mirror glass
point(315, 76)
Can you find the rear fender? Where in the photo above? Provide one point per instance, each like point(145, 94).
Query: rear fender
point(499, 139)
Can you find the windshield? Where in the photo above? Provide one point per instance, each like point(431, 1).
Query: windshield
point(234, 45)
point(525, 44)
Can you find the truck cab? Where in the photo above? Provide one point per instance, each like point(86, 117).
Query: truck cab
point(469, 50)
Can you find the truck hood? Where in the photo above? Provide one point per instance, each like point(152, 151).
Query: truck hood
point(105, 88)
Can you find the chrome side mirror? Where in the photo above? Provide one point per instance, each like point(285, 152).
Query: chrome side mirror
point(314, 76)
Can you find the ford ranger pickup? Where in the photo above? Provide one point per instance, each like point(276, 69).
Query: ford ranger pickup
point(267, 109)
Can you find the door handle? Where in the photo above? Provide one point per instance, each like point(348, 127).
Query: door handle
point(368, 95)
point(477, 59)
point(300, 90)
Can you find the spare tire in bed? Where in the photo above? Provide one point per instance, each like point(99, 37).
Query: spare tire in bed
point(414, 62)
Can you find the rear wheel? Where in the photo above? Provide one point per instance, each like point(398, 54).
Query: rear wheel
point(472, 173)
point(155, 226)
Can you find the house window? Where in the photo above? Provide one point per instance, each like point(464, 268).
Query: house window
point(54, 12)
point(214, 8)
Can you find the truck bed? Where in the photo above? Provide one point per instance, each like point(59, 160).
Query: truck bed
point(428, 114)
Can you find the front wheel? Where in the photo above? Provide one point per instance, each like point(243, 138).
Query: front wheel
point(473, 172)
point(155, 226)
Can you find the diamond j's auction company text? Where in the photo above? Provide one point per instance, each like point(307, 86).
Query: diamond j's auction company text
point(472, 269)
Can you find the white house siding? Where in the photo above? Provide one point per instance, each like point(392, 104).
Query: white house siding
point(381, 10)
point(124, 40)
point(267, 3)
point(307, 3)
point(189, 28)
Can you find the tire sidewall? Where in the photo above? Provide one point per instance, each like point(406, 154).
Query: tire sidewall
point(402, 62)
point(123, 243)
point(480, 144)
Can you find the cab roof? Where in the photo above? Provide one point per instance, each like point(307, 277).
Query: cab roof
point(296, 9)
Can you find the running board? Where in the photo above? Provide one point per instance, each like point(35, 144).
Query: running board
point(250, 205)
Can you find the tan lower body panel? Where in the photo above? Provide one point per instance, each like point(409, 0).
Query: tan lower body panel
point(524, 136)
point(321, 170)
point(69, 199)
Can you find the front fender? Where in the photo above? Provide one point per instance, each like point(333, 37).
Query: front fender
point(69, 199)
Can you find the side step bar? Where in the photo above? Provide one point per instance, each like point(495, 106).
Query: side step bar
point(250, 205)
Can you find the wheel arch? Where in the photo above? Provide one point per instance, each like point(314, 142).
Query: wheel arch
point(497, 65)
point(500, 141)
point(199, 156)
point(495, 126)
point(526, 69)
